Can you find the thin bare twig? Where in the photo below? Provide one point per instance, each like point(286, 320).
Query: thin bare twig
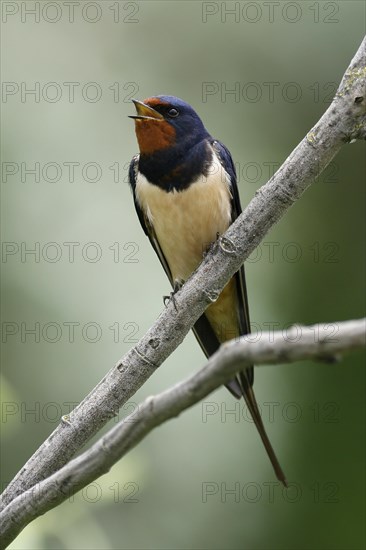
point(343, 122)
point(313, 342)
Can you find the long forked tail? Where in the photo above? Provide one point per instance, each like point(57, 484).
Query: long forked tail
point(252, 405)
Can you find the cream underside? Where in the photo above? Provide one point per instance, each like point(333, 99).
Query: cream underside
point(185, 224)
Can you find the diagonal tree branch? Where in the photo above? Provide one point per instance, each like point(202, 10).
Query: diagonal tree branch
point(311, 343)
point(343, 122)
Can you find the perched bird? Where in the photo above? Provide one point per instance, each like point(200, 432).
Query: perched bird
point(186, 195)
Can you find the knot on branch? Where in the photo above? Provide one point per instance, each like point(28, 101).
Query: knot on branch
point(227, 246)
point(66, 419)
point(352, 92)
point(144, 358)
point(154, 343)
point(211, 295)
point(311, 138)
point(65, 486)
point(120, 366)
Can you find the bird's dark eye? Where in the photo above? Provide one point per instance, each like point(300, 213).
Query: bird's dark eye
point(173, 113)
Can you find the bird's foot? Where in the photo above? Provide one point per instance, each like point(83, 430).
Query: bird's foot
point(171, 298)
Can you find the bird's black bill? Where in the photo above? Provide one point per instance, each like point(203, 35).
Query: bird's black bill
point(145, 111)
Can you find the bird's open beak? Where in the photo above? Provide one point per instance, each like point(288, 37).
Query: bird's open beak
point(145, 111)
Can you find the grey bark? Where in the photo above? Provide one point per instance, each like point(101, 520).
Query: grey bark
point(343, 122)
point(314, 342)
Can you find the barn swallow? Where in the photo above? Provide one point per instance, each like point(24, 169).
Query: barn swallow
point(186, 195)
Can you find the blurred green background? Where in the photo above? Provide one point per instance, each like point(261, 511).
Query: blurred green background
point(84, 64)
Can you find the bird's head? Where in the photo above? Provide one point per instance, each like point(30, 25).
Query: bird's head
point(164, 122)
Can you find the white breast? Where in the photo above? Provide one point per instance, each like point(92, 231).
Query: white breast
point(186, 222)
